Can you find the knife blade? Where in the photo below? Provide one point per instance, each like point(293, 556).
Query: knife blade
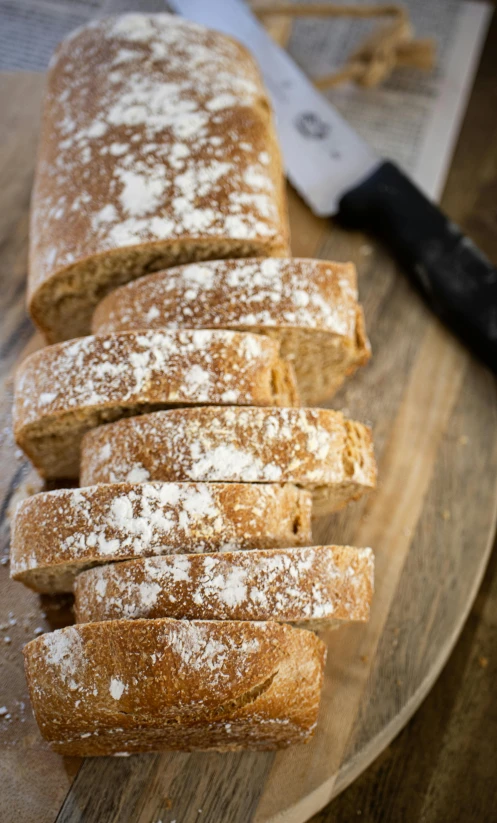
point(337, 173)
point(323, 155)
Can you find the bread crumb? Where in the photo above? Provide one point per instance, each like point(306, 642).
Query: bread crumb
point(483, 662)
point(446, 514)
point(463, 440)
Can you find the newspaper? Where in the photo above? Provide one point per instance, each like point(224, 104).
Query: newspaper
point(413, 118)
point(31, 29)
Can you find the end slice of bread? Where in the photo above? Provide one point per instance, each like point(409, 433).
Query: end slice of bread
point(130, 686)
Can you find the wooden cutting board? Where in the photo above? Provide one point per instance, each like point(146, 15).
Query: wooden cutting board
point(431, 523)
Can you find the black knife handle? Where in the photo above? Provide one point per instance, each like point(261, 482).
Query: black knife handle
point(457, 280)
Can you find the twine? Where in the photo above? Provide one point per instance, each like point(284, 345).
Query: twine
point(388, 47)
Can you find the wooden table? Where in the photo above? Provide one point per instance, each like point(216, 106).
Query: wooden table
point(443, 765)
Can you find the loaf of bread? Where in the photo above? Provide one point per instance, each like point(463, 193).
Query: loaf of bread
point(317, 449)
point(64, 390)
point(310, 306)
point(312, 587)
point(57, 534)
point(157, 147)
point(153, 685)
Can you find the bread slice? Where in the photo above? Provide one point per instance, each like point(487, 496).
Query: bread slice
point(57, 534)
point(313, 587)
point(64, 390)
point(157, 148)
point(309, 306)
point(153, 685)
point(316, 449)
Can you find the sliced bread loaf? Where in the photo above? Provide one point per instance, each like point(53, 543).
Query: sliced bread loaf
point(153, 685)
point(157, 148)
point(310, 306)
point(64, 390)
point(316, 449)
point(313, 587)
point(57, 534)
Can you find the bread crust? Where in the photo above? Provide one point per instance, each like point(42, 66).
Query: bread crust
point(188, 163)
point(309, 306)
point(155, 685)
point(64, 390)
point(56, 535)
point(317, 449)
point(310, 586)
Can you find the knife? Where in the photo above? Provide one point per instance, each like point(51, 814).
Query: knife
point(337, 173)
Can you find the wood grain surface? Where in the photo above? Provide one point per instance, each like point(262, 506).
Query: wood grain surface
point(431, 522)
